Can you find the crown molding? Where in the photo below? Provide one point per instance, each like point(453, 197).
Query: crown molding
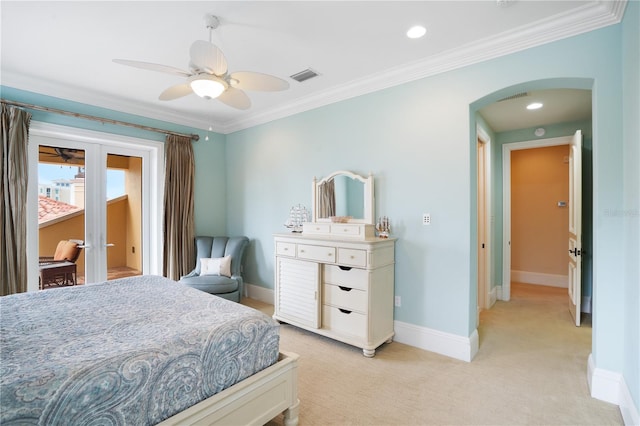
point(591, 16)
point(102, 100)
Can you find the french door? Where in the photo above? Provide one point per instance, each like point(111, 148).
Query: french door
point(97, 189)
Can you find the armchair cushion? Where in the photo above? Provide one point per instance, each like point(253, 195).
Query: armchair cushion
point(216, 266)
point(209, 248)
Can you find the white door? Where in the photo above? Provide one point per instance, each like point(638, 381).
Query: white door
point(482, 231)
point(120, 231)
point(114, 211)
point(575, 226)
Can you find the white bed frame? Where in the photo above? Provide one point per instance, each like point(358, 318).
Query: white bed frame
point(253, 401)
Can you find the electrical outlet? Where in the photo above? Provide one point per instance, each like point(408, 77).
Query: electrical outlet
point(426, 219)
point(398, 301)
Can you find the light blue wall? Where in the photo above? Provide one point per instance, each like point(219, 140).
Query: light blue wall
point(631, 188)
point(416, 139)
point(210, 209)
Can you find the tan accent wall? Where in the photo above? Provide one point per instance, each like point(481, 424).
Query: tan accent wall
point(539, 180)
point(133, 187)
point(72, 227)
point(117, 232)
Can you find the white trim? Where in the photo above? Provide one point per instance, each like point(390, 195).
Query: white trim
point(484, 138)
point(493, 295)
point(506, 202)
point(257, 292)
point(539, 278)
point(153, 153)
point(611, 387)
point(451, 345)
point(589, 17)
point(603, 384)
point(628, 408)
point(585, 306)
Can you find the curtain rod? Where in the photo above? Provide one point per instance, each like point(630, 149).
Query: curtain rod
point(193, 136)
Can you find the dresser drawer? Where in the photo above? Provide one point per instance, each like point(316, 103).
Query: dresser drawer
point(352, 257)
point(345, 297)
point(344, 321)
point(348, 230)
point(318, 253)
point(347, 277)
point(285, 249)
point(316, 228)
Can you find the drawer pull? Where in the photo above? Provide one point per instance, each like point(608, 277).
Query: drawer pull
point(301, 251)
point(345, 268)
point(344, 288)
point(344, 311)
point(329, 254)
point(286, 249)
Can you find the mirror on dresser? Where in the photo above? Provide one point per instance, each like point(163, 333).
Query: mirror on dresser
point(342, 205)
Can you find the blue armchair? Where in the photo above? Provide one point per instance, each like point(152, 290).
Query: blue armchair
point(212, 279)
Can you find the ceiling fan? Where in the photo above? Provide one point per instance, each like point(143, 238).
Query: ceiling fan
point(208, 75)
point(68, 155)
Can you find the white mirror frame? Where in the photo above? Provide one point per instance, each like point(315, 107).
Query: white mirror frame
point(368, 197)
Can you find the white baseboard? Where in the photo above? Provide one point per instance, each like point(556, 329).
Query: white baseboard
point(451, 345)
point(257, 292)
point(585, 306)
point(493, 295)
point(611, 387)
point(499, 292)
point(539, 278)
point(628, 409)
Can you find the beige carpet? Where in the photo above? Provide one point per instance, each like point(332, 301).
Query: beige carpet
point(530, 370)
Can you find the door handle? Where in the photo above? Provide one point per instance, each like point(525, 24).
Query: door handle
point(575, 252)
point(109, 245)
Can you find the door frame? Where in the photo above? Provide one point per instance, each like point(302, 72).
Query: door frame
point(484, 286)
point(154, 173)
point(507, 148)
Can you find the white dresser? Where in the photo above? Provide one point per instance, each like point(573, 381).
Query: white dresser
point(342, 288)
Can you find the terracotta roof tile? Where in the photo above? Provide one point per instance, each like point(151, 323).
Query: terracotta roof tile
point(49, 209)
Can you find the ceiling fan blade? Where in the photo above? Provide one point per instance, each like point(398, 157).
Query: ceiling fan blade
point(175, 92)
point(153, 67)
point(249, 80)
point(207, 57)
point(235, 98)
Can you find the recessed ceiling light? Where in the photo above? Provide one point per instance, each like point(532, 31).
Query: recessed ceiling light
point(534, 105)
point(416, 31)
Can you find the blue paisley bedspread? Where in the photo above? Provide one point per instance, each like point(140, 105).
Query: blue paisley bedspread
point(133, 351)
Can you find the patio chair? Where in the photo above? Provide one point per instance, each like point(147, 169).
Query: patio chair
point(60, 269)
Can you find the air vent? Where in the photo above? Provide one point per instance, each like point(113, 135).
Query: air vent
point(516, 96)
point(304, 75)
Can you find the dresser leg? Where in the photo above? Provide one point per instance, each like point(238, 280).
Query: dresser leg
point(369, 353)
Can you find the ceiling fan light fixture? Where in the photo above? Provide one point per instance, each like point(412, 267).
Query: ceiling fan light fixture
point(207, 86)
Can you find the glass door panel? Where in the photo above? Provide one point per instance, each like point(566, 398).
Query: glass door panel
point(123, 215)
point(61, 214)
point(101, 189)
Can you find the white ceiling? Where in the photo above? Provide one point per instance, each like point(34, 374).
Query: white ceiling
point(65, 49)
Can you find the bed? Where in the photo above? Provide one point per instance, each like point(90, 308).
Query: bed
point(141, 350)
